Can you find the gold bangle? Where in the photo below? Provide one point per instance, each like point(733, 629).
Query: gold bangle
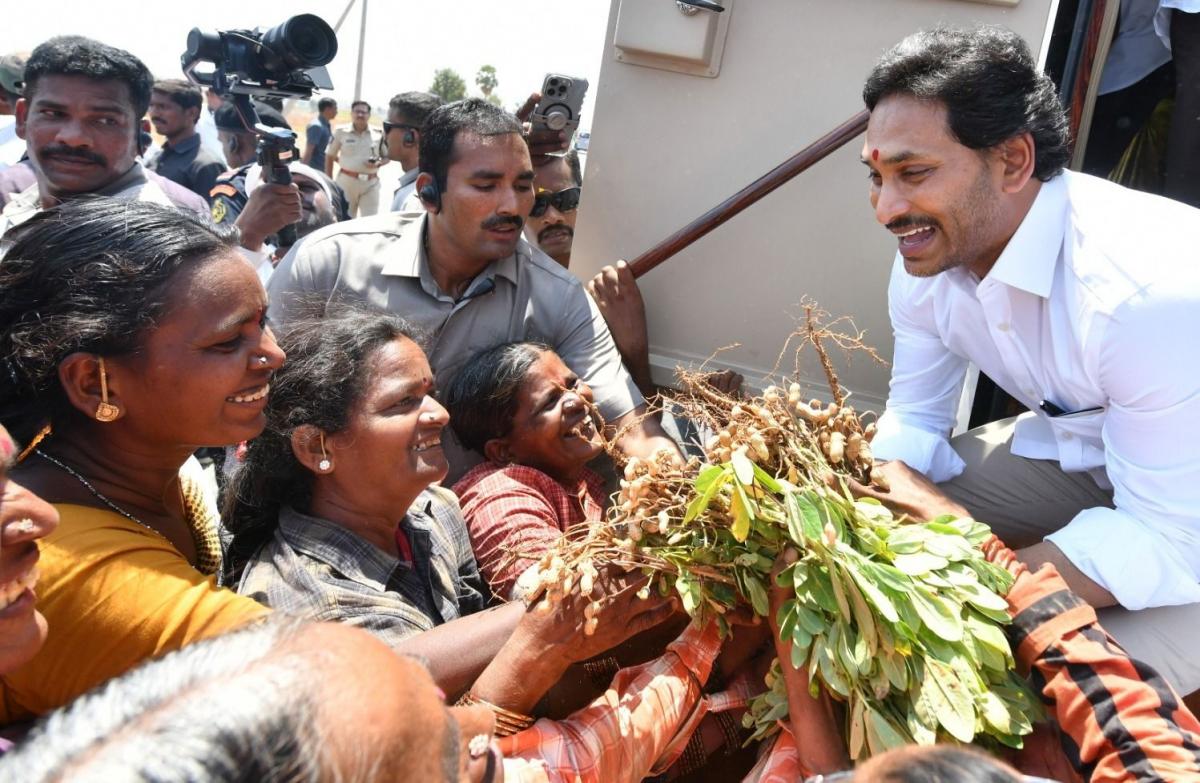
point(507, 721)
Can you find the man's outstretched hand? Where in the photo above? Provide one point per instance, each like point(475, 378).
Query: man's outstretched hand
point(909, 492)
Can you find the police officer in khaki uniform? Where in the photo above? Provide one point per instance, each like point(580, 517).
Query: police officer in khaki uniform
point(355, 148)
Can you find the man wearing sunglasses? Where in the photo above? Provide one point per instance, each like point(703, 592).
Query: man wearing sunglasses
point(551, 226)
point(402, 141)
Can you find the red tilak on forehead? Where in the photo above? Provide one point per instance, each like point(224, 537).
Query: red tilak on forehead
point(874, 154)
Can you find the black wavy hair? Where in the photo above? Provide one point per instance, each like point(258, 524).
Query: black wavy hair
point(182, 93)
point(91, 275)
point(443, 125)
point(74, 55)
point(988, 81)
point(482, 397)
point(326, 374)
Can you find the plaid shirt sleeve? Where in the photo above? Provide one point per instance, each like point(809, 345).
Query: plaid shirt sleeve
point(511, 517)
point(637, 728)
point(1119, 719)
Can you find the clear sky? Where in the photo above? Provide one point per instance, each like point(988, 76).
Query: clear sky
point(406, 40)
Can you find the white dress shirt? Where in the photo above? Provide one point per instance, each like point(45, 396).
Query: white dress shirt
point(1094, 306)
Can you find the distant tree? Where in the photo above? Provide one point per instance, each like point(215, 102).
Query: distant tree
point(486, 79)
point(448, 85)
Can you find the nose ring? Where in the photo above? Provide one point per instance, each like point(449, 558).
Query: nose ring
point(263, 360)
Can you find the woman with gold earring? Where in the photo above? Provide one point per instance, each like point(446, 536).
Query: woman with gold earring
point(147, 341)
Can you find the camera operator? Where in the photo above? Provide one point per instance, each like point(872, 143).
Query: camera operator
point(260, 209)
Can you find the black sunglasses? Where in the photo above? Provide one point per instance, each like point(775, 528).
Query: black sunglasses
point(388, 127)
point(563, 201)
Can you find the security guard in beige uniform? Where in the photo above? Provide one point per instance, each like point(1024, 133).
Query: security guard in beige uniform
point(355, 148)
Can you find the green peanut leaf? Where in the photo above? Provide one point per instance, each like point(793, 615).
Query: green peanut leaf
point(950, 700)
point(919, 563)
point(707, 476)
point(715, 478)
point(739, 508)
point(857, 739)
point(810, 517)
point(936, 615)
point(757, 595)
point(743, 468)
point(882, 736)
point(765, 479)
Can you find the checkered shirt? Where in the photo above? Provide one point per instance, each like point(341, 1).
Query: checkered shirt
point(319, 570)
point(514, 513)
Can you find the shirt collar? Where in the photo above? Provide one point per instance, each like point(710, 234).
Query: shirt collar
point(1029, 258)
point(351, 555)
point(29, 201)
point(410, 260)
point(190, 144)
point(410, 176)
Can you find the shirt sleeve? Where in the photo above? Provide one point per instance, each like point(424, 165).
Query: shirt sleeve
point(638, 727)
point(510, 526)
point(926, 383)
point(335, 144)
point(587, 347)
point(471, 589)
point(114, 598)
point(313, 136)
point(204, 177)
point(1147, 368)
point(1120, 720)
point(305, 278)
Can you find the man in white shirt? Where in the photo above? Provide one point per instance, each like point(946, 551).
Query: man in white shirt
point(1079, 298)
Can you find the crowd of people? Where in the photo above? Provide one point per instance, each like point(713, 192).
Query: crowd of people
point(404, 411)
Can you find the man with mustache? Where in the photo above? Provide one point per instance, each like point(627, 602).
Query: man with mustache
point(1079, 298)
point(80, 117)
point(175, 107)
point(557, 182)
point(462, 272)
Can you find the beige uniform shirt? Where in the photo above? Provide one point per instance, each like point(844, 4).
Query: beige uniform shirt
point(353, 149)
point(525, 296)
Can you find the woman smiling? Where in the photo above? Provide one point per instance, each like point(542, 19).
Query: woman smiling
point(147, 342)
point(337, 516)
point(523, 409)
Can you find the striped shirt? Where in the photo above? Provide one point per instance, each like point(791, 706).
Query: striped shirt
point(515, 513)
point(638, 727)
point(316, 569)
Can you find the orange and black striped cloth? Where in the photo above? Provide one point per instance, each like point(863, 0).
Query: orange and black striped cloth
point(1118, 719)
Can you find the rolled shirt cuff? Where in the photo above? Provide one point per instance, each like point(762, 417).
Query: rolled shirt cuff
point(923, 451)
point(1139, 566)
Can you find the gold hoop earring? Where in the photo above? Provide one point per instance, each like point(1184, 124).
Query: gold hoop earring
point(324, 465)
point(105, 411)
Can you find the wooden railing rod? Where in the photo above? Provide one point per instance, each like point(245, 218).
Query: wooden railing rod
point(731, 206)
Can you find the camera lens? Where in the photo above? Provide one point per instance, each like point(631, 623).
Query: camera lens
point(304, 41)
point(203, 45)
